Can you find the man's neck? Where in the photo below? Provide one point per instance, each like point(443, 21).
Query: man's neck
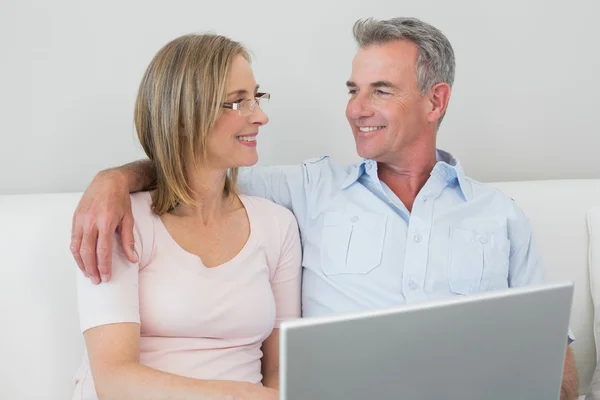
point(407, 175)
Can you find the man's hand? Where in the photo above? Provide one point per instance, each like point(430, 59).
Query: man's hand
point(104, 208)
point(570, 385)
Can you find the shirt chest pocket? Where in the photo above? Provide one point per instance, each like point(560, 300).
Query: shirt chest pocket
point(352, 242)
point(478, 260)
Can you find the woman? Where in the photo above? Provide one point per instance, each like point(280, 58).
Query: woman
point(197, 316)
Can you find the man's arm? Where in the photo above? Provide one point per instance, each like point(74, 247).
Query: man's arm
point(104, 208)
point(285, 185)
point(570, 385)
point(139, 175)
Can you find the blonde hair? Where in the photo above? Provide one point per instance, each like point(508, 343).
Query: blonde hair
point(179, 100)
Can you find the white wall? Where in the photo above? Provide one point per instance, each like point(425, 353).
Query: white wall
point(524, 106)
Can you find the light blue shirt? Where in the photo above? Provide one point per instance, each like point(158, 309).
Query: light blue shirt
point(363, 250)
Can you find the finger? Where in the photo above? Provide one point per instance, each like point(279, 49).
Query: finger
point(76, 234)
point(127, 239)
point(104, 251)
point(88, 253)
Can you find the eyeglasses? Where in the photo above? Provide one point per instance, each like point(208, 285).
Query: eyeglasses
point(246, 107)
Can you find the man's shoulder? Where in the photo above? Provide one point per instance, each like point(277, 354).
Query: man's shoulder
point(325, 169)
point(328, 162)
point(306, 167)
point(317, 160)
point(493, 195)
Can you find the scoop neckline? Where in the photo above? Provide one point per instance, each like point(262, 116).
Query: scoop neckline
point(241, 255)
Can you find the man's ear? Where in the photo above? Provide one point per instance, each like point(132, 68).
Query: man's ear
point(439, 96)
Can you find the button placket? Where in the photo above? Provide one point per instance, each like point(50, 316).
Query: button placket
point(418, 235)
point(417, 248)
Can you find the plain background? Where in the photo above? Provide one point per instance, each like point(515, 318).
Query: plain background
point(525, 102)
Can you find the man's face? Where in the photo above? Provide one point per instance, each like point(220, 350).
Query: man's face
point(385, 109)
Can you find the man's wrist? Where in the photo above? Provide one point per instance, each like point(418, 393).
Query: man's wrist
point(113, 175)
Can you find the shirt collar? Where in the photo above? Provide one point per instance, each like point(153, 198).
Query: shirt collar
point(448, 168)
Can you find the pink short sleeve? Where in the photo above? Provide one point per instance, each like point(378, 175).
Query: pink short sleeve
point(118, 300)
point(287, 279)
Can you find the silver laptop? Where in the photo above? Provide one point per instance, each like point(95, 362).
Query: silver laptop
point(498, 345)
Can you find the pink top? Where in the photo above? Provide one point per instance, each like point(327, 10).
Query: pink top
point(198, 322)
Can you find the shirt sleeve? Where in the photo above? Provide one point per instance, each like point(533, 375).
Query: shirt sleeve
point(284, 184)
point(117, 301)
point(525, 264)
point(286, 281)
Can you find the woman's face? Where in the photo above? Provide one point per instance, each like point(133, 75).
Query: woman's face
point(232, 142)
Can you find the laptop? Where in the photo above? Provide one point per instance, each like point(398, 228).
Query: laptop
point(499, 345)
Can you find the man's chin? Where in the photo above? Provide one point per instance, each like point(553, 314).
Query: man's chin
point(368, 153)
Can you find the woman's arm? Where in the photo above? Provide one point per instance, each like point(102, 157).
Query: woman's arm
point(113, 352)
point(270, 360)
point(286, 287)
point(109, 317)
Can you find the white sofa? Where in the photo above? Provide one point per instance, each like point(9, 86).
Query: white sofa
point(40, 343)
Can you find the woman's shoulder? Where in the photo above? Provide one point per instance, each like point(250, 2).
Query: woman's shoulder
point(143, 224)
point(141, 206)
point(277, 223)
point(141, 202)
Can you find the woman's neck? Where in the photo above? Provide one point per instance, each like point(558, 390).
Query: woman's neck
point(208, 193)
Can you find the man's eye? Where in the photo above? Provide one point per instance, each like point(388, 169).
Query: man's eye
point(381, 93)
point(351, 91)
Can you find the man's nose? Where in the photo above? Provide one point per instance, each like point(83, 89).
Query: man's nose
point(359, 107)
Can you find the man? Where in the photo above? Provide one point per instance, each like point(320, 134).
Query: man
point(404, 225)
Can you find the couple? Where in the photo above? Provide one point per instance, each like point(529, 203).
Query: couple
point(186, 299)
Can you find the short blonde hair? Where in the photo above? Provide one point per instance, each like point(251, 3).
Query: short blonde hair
point(179, 100)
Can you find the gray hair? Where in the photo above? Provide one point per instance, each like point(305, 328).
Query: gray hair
point(435, 63)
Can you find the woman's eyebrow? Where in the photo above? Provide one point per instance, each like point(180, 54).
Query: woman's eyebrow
point(242, 92)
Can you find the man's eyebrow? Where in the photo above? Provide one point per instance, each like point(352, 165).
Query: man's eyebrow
point(377, 84)
point(386, 84)
point(242, 92)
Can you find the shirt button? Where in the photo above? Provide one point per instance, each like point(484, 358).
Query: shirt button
point(417, 238)
point(413, 285)
point(483, 240)
point(354, 219)
point(368, 167)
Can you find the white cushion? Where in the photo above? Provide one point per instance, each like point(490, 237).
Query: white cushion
point(593, 392)
point(40, 341)
point(593, 220)
point(557, 211)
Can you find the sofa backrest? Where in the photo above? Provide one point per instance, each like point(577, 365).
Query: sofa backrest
point(40, 343)
point(557, 211)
